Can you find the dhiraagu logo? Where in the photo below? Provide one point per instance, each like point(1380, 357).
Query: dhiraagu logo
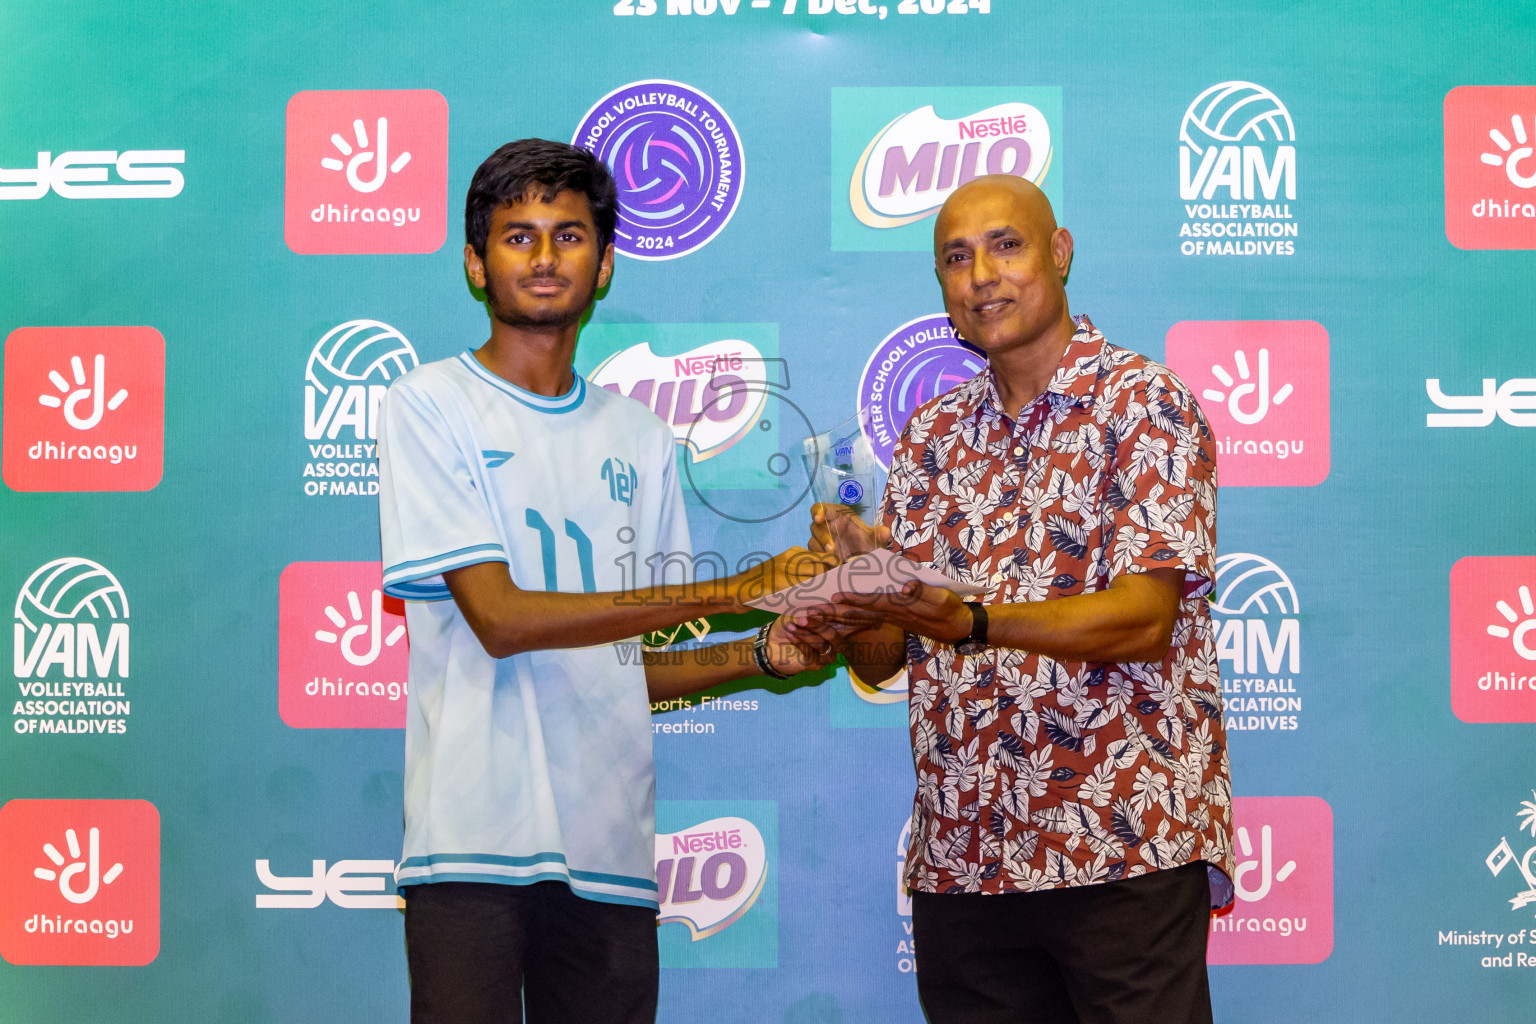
point(897, 154)
point(717, 881)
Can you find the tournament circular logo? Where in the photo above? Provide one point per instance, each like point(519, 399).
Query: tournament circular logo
point(677, 160)
point(916, 362)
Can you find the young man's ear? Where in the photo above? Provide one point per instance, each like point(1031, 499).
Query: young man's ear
point(605, 267)
point(474, 266)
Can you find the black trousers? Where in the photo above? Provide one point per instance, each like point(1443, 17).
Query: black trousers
point(485, 954)
point(1126, 952)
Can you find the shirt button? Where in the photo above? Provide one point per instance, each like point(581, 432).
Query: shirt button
point(1018, 450)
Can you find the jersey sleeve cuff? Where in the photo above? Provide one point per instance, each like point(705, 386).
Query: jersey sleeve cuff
point(421, 579)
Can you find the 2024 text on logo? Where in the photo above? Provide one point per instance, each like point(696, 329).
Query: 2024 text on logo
point(84, 409)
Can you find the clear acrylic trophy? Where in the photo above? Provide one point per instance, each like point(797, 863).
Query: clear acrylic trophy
point(843, 468)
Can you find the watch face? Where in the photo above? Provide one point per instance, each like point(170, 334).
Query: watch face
point(970, 647)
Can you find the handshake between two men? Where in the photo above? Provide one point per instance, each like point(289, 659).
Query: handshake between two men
point(859, 600)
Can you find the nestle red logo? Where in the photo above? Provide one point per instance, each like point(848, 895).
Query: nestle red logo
point(79, 882)
point(84, 408)
point(342, 653)
point(367, 172)
point(698, 366)
point(1490, 166)
point(988, 127)
point(706, 842)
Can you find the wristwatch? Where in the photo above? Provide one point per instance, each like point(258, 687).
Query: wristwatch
point(976, 642)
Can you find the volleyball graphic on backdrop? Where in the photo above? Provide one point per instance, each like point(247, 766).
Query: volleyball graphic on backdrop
point(1236, 112)
point(1252, 584)
point(67, 588)
point(360, 351)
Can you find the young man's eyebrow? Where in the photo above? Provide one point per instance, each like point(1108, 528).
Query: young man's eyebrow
point(523, 225)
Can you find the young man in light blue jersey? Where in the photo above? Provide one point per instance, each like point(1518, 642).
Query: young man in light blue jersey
point(512, 493)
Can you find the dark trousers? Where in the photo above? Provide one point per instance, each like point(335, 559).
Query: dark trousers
point(486, 954)
point(1123, 952)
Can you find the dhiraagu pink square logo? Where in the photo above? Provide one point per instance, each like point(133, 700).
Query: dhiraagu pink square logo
point(80, 882)
point(1284, 910)
point(342, 653)
point(1263, 385)
point(1493, 639)
point(366, 171)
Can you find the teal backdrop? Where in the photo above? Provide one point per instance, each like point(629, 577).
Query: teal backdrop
point(1286, 193)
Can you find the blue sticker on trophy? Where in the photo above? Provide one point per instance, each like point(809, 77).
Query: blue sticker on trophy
point(850, 493)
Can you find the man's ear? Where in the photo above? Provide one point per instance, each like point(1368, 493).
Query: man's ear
point(1061, 252)
point(474, 267)
point(605, 267)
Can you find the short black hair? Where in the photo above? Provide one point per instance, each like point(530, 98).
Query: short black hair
point(542, 168)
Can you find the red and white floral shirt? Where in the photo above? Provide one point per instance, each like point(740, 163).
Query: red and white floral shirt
point(1035, 773)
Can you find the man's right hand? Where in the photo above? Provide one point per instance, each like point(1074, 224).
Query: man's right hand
point(787, 568)
point(838, 531)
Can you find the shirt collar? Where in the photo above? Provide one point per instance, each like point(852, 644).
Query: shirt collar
point(1074, 382)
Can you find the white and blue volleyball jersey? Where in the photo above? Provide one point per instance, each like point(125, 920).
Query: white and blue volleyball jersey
point(537, 766)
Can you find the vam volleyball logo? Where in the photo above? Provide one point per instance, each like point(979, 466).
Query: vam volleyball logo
point(1493, 639)
point(349, 369)
point(342, 654)
point(1258, 643)
point(80, 882)
point(1263, 386)
point(70, 651)
point(84, 408)
point(1490, 166)
point(916, 362)
point(897, 154)
point(715, 882)
point(1284, 880)
point(677, 160)
point(366, 172)
point(1237, 173)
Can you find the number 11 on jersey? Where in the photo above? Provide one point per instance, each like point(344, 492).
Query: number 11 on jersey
point(547, 547)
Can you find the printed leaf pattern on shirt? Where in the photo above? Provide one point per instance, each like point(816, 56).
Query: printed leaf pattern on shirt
point(1035, 773)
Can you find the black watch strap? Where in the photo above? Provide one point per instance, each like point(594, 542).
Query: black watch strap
point(976, 642)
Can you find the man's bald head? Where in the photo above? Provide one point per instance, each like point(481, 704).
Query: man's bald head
point(1002, 263)
point(1030, 210)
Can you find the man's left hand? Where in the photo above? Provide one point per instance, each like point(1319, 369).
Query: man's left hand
point(930, 611)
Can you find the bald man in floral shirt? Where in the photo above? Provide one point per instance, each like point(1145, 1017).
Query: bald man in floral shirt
point(1072, 826)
